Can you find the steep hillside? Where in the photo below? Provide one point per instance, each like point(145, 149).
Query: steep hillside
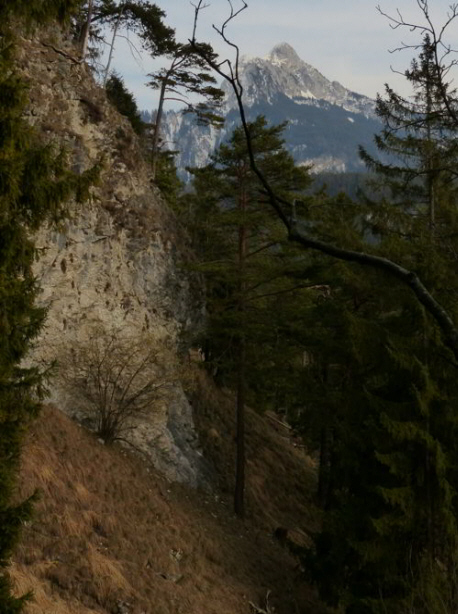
point(111, 536)
point(154, 532)
point(280, 475)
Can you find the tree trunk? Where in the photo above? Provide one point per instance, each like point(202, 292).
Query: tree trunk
point(84, 38)
point(239, 493)
point(324, 471)
point(157, 127)
point(110, 57)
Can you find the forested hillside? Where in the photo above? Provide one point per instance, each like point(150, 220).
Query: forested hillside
point(286, 350)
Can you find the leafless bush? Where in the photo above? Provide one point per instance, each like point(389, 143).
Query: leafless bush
point(114, 379)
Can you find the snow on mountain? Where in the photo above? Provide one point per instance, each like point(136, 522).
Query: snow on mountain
point(284, 71)
point(326, 121)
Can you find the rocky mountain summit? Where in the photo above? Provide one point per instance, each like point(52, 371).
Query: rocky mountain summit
point(326, 121)
point(283, 71)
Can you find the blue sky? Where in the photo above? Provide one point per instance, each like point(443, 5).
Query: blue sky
point(346, 40)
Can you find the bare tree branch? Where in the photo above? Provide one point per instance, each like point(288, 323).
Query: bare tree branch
point(441, 49)
point(115, 379)
point(62, 53)
point(285, 209)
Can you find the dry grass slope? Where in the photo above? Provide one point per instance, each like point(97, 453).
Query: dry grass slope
point(280, 477)
point(111, 536)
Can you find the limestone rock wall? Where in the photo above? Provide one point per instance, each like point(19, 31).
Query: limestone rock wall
point(117, 263)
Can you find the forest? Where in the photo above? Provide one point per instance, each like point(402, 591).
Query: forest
point(336, 309)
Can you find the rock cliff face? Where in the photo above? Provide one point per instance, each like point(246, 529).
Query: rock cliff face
point(116, 265)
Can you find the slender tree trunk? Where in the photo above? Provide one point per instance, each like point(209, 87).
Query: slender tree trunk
point(84, 38)
point(432, 207)
point(429, 472)
point(239, 493)
point(325, 467)
point(430, 175)
point(157, 127)
point(326, 480)
point(326, 442)
point(431, 192)
point(115, 32)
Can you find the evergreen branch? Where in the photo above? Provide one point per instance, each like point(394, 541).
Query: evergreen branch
point(284, 291)
point(262, 248)
point(188, 104)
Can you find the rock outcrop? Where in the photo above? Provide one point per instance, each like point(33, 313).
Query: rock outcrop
point(117, 263)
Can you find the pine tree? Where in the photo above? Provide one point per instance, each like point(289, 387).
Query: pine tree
point(391, 485)
point(187, 75)
point(243, 262)
point(34, 185)
point(124, 102)
point(139, 16)
point(419, 181)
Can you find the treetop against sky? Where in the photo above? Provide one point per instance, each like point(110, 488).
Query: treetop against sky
point(348, 42)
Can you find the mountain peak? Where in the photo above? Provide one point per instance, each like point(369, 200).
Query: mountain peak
point(283, 52)
point(284, 73)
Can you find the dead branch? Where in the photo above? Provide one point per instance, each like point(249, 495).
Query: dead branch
point(277, 421)
point(441, 49)
point(268, 609)
point(62, 53)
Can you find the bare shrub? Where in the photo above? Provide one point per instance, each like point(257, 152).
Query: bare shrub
point(116, 378)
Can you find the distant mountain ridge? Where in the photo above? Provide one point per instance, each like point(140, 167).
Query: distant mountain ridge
point(326, 121)
point(284, 71)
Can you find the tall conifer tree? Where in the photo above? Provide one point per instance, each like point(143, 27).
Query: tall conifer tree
point(244, 263)
point(392, 507)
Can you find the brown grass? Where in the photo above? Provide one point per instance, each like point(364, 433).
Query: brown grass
point(281, 477)
point(108, 531)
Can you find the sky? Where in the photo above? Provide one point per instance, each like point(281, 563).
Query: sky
point(347, 41)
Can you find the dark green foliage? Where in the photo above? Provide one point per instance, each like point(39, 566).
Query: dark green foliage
point(385, 432)
point(34, 185)
point(142, 17)
point(263, 293)
point(227, 202)
point(124, 102)
point(380, 394)
point(167, 179)
point(34, 12)
point(350, 184)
